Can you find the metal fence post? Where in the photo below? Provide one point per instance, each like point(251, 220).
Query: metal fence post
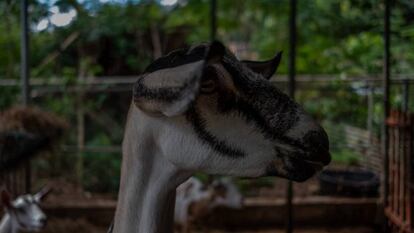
point(406, 95)
point(25, 73)
point(386, 89)
point(213, 19)
point(292, 88)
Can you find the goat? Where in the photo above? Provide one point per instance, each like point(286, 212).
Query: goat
point(201, 109)
point(194, 201)
point(24, 213)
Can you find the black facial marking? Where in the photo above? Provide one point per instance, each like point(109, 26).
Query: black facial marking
point(229, 104)
point(27, 200)
point(218, 145)
point(252, 115)
point(260, 102)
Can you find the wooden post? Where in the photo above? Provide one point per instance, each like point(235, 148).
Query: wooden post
point(370, 101)
point(80, 120)
point(406, 95)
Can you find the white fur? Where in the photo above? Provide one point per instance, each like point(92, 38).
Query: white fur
point(166, 154)
point(28, 217)
point(159, 153)
point(178, 139)
point(148, 180)
point(232, 199)
point(189, 192)
point(192, 192)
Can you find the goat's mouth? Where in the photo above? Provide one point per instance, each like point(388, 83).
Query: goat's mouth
point(297, 168)
point(36, 227)
point(317, 166)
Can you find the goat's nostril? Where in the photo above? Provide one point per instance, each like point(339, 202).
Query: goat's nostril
point(324, 140)
point(318, 143)
point(318, 139)
point(320, 155)
point(326, 158)
point(325, 147)
point(43, 221)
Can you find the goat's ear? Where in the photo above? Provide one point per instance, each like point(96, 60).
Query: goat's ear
point(215, 52)
point(6, 199)
point(42, 194)
point(265, 68)
point(170, 90)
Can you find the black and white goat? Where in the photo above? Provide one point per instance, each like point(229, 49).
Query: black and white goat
point(24, 213)
point(200, 109)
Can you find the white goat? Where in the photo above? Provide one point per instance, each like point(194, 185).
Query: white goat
point(189, 192)
point(24, 213)
point(230, 195)
point(195, 200)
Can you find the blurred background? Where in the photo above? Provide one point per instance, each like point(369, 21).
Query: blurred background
point(85, 55)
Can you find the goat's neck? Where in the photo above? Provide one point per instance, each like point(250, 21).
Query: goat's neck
point(148, 181)
point(7, 225)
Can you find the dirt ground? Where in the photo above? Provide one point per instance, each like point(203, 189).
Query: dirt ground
point(318, 230)
point(82, 226)
point(279, 187)
point(314, 230)
point(65, 193)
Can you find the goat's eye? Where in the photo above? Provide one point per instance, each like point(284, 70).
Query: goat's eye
point(208, 86)
point(20, 210)
point(209, 82)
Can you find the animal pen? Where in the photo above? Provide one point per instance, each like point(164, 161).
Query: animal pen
point(391, 155)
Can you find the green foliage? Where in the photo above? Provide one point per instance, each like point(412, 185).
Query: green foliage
point(340, 152)
point(346, 157)
point(101, 170)
point(337, 102)
point(101, 173)
point(251, 186)
point(9, 96)
point(336, 36)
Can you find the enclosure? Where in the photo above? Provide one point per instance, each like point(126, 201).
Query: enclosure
point(348, 63)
